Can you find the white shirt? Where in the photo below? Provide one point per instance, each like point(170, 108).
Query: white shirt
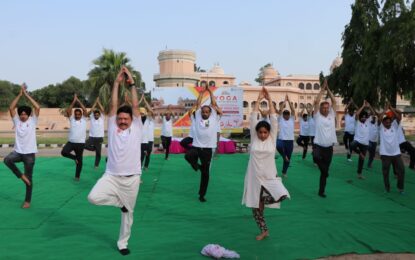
point(389, 144)
point(167, 127)
point(312, 126)
point(150, 129)
point(77, 130)
point(304, 127)
point(362, 132)
point(401, 135)
point(349, 123)
point(25, 135)
point(373, 132)
point(325, 129)
point(97, 126)
point(286, 128)
point(205, 131)
point(124, 148)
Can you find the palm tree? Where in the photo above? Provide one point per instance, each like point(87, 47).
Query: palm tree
point(106, 68)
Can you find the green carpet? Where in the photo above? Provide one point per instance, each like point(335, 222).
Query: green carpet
point(170, 222)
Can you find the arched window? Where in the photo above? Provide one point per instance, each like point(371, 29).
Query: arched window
point(281, 103)
point(212, 83)
point(253, 104)
point(203, 83)
point(302, 105)
point(264, 104)
point(316, 86)
point(309, 105)
point(289, 84)
point(225, 82)
point(301, 85)
point(246, 104)
point(308, 86)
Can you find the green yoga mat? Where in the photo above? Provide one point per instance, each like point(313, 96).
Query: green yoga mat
point(170, 222)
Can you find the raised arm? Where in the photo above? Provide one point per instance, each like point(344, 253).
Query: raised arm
point(397, 113)
point(84, 110)
point(69, 109)
point(333, 99)
point(149, 109)
point(93, 107)
point(33, 102)
point(134, 95)
point(100, 106)
point(213, 102)
point(356, 117)
point(13, 105)
point(320, 95)
point(291, 107)
point(267, 96)
point(114, 94)
point(199, 99)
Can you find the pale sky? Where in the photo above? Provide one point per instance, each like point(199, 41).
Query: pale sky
point(45, 42)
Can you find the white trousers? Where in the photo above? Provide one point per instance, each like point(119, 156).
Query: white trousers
point(118, 191)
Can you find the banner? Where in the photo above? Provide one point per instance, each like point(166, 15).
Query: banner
point(179, 100)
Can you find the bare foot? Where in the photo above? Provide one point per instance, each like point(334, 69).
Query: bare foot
point(25, 180)
point(26, 205)
point(262, 235)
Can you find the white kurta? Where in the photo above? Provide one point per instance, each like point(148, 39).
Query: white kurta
point(262, 170)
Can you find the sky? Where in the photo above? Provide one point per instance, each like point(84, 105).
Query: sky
point(46, 41)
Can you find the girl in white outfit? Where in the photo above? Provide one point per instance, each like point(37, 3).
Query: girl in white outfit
point(262, 186)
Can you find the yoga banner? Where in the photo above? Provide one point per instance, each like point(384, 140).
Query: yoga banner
point(179, 100)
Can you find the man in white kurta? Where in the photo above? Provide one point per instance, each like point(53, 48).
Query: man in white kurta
point(119, 185)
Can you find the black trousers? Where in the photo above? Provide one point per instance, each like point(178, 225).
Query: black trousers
point(148, 154)
point(28, 163)
point(347, 139)
point(407, 147)
point(359, 148)
point(303, 142)
point(398, 167)
point(186, 142)
point(144, 148)
point(372, 152)
point(205, 156)
point(322, 156)
point(166, 141)
point(95, 144)
point(78, 149)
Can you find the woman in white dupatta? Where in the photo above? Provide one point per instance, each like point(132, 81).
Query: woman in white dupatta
point(262, 186)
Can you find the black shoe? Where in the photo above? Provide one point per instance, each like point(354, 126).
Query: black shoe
point(322, 195)
point(124, 251)
point(125, 210)
point(202, 199)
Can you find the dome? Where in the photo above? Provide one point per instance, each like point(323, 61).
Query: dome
point(244, 83)
point(270, 73)
point(217, 69)
point(336, 63)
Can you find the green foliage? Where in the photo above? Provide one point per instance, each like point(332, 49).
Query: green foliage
point(8, 91)
point(102, 76)
point(260, 76)
point(378, 53)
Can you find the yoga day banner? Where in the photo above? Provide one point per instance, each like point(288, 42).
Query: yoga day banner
point(179, 100)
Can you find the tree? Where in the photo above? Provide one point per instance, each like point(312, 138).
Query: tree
point(351, 78)
point(396, 51)
point(102, 76)
point(8, 91)
point(61, 94)
point(260, 77)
